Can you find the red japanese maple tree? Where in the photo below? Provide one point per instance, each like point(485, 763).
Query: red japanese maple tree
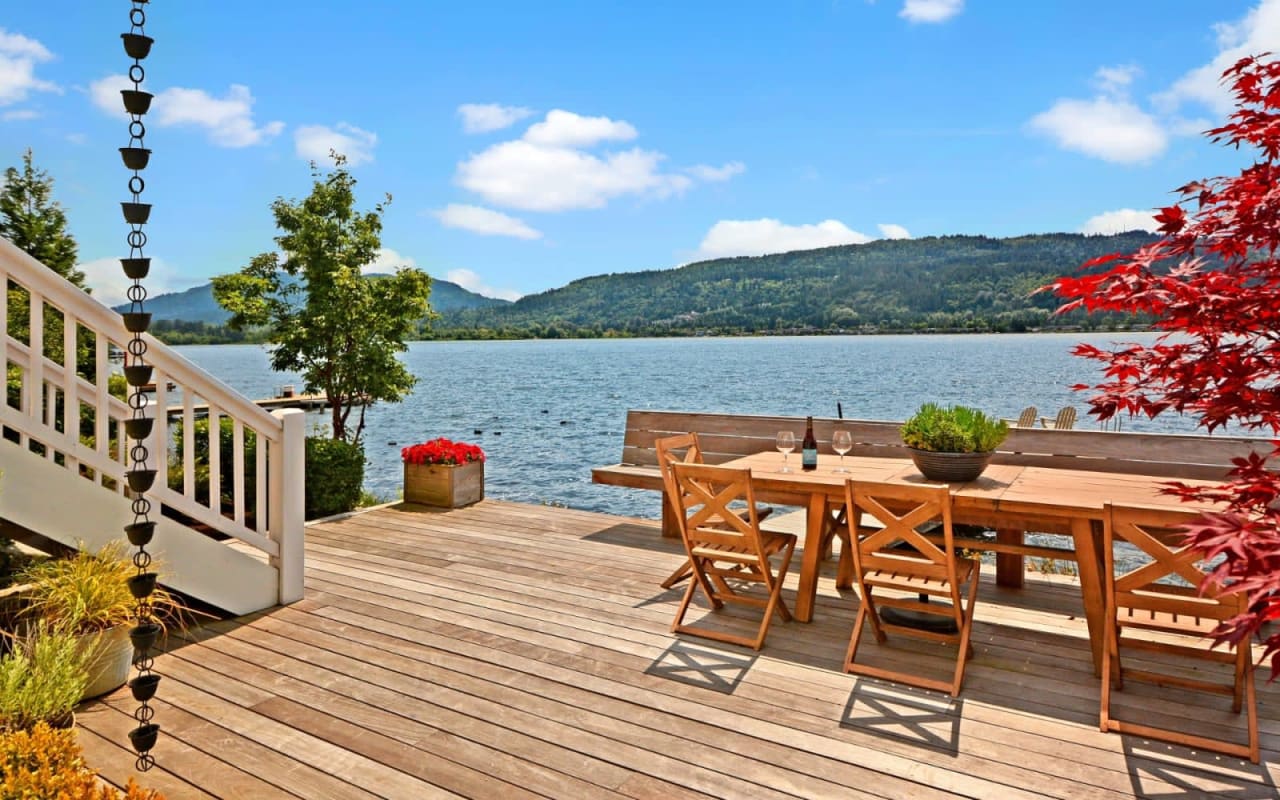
point(1212, 283)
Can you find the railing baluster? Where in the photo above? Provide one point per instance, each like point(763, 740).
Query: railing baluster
point(159, 445)
point(101, 394)
point(33, 387)
point(188, 443)
point(215, 459)
point(260, 483)
point(70, 389)
point(237, 470)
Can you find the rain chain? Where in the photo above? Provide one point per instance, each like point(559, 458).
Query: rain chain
point(138, 427)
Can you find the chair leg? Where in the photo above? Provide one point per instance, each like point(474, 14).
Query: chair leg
point(852, 651)
point(873, 614)
point(1251, 708)
point(964, 620)
point(684, 571)
point(1110, 665)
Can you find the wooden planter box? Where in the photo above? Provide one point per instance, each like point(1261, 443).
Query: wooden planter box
point(445, 486)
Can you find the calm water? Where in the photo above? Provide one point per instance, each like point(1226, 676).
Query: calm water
point(547, 411)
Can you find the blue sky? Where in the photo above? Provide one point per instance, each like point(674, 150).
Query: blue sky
point(529, 144)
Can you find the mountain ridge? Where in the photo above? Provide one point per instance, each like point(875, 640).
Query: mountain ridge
point(197, 304)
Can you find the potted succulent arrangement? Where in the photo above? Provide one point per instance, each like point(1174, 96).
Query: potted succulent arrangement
point(443, 473)
point(952, 443)
point(88, 595)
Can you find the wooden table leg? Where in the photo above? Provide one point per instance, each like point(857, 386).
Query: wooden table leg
point(811, 557)
point(670, 522)
point(1089, 561)
point(1010, 569)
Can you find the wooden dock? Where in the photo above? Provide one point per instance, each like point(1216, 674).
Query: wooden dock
point(512, 651)
point(306, 402)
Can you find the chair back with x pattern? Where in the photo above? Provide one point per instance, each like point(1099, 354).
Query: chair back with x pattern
point(681, 449)
point(727, 549)
point(1143, 598)
point(900, 557)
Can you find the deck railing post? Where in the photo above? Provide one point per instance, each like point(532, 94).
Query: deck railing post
point(288, 502)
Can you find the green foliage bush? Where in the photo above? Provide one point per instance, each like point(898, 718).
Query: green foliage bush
point(953, 429)
point(335, 475)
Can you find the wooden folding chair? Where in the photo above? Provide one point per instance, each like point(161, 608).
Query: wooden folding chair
point(727, 547)
point(683, 448)
point(1027, 419)
point(1181, 615)
point(899, 557)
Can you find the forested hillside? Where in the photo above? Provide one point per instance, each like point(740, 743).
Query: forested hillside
point(936, 283)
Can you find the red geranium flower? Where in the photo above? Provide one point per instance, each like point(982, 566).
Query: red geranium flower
point(441, 451)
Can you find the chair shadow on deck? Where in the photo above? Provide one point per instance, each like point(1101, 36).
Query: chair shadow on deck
point(905, 713)
point(1156, 768)
point(718, 668)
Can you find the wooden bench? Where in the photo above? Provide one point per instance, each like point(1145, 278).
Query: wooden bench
point(728, 436)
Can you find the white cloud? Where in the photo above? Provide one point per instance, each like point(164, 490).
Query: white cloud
point(1119, 221)
point(18, 58)
point(732, 237)
point(567, 129)
point(1257, 32)
point(891, 231)
point(532, 177)
point(387, 262)
point(19, 115)
point(930, 10)
point(313, 143)
point(484, 221)
point(474, 283)
point(711, 174)
point(1115, 81)
point(551, 167)
point(227, 120)
point(109, 284)
point(1113, 130)
point(482, 118)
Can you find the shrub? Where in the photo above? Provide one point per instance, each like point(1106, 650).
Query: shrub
point(41, 679)
point(47, 762)
point(954, 429)
point(335, 475)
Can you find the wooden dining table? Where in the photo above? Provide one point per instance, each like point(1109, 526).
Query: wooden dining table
point(1011, 499)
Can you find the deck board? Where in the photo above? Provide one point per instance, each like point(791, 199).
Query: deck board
point(509, 650)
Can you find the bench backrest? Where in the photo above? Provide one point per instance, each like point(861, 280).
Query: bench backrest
point(728, 436)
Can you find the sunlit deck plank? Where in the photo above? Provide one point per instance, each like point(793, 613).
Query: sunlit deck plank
point(521, 650)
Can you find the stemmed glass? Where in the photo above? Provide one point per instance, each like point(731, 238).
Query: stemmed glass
point(841, 442)
point(786, 443)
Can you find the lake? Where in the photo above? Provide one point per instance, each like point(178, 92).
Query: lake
point(548, 411)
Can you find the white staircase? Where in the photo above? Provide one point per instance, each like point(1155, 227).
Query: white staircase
point(69, 486)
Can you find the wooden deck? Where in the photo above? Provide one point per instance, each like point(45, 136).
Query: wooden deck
point(509, 651)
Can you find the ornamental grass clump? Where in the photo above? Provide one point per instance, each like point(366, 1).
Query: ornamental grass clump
point(42, 678)
point(442, 451)
point(953, 429)
point(88, 592)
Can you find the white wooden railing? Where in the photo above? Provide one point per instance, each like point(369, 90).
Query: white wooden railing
point(264, 508)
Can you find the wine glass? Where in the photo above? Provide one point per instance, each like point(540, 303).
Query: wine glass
point(841, 442)
point(786, 443)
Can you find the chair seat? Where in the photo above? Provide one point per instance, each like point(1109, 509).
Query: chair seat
point(919, 584)
point(1154, 620)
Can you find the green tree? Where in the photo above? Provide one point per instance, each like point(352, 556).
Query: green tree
point(341, 330)
point(33, 221)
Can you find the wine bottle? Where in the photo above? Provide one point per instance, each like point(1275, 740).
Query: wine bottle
point(808, 447)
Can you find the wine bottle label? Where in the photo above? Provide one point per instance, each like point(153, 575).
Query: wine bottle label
point(809, 458)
